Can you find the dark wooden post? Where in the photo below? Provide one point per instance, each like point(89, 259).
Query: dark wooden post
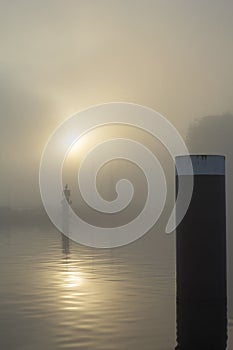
point(201, 258)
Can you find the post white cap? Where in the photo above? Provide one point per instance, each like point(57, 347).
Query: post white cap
point(202, 165)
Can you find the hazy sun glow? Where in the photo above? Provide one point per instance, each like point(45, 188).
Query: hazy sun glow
point(77, 148)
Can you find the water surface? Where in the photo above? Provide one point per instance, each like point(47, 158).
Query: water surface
point(56, 294)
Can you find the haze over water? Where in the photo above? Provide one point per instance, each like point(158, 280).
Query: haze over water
point(58, 57)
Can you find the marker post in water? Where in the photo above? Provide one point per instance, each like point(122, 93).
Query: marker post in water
point(201, 257)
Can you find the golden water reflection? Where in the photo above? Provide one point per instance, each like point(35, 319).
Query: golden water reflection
point(60, 295)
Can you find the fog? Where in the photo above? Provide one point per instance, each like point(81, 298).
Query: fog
point(58, 57)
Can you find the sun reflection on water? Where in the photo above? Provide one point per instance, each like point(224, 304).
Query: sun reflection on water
point(72, 278)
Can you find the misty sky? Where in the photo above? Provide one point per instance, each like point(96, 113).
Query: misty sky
point(57, 57)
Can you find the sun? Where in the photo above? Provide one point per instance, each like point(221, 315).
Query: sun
point(78, 147)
